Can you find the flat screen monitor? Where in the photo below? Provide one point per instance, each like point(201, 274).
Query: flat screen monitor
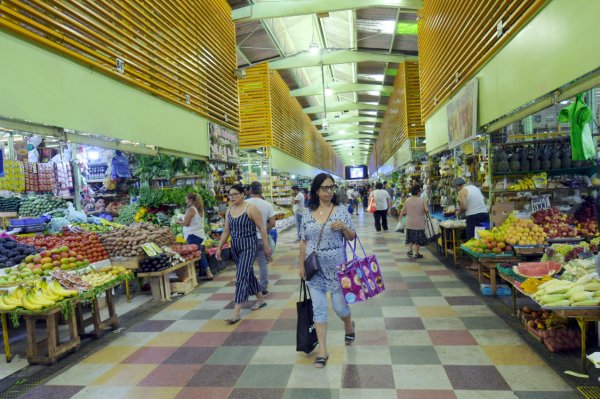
point(356, 172)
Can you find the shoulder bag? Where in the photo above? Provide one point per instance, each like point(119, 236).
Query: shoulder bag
point(311, 263)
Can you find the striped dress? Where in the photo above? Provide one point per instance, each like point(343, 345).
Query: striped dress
point(243, 250)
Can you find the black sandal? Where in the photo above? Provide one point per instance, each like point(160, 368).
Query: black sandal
point(409, 254)
point(320, 362)
point(349, 338)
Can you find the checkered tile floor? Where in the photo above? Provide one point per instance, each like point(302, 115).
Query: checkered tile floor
point(427, 337)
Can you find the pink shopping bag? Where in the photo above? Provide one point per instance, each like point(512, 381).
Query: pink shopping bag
point(360, 278)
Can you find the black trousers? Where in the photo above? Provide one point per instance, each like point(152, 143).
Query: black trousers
point(381, 220)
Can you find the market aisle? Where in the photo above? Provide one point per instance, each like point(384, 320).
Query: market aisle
point(428, 336)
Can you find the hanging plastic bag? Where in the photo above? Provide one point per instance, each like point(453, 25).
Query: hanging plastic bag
point(120, 166)
point(579, 116)
point(74, 215)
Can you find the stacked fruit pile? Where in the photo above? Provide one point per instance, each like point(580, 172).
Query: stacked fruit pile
point(552, 329)
point(97, 278)
point(127, 241)
point(35, 296)
point(87, 245)
point(189, 251)
point(585, 218)
point(93, 228)
point(155, 263)
point(558, 293)
point(555, 223)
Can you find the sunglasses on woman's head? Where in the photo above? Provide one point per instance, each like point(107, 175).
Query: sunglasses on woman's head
point(329, 188)
point(234, 194)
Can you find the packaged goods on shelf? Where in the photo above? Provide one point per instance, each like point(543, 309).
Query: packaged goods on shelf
point(14, 177)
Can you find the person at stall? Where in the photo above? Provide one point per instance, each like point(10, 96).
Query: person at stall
point(416, 210)
point(472, 204)
point(97, 208)
point(241, 221)
point(268, 217)
point(298, 208)
point(193, 228)
point(325, 214)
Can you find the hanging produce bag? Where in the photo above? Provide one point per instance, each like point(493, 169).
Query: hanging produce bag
point(579, 116)
point(120, 166)
point(360, 278)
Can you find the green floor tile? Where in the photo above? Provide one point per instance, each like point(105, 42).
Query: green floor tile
point(265, 376)
point(414, 355)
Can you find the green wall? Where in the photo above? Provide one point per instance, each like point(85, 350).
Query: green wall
point(287, 163)
point(42, 87)
point(558, 45)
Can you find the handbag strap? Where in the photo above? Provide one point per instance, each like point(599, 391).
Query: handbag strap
point(323, 228)
point(303, 290)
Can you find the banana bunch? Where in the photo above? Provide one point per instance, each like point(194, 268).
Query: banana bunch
point(523, 184)
point(36, 296)
point(555, 322)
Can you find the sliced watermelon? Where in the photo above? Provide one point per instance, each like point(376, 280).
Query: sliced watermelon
point(537, 269)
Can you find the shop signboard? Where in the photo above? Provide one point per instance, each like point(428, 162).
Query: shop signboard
point(462, 115)
point(224, 144)
point(403, 155)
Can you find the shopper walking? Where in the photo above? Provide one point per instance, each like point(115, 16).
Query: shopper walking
point(193, 228)
point(365, 197)
point(298, 208)
point(241, 221)
point(267, 213)
point(383, 203)
point(415, 209)
point(342, 196)
point(352, 195)
point(472, 204)
point(325, 214)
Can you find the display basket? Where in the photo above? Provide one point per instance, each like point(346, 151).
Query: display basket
point(506, 254)
point(529, 249)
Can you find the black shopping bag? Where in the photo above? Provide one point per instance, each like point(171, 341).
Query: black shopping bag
point(306, 333)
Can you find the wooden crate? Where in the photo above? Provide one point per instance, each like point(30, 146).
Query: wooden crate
point(182, 287)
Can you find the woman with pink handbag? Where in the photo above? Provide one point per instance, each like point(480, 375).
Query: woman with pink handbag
point(325, 225)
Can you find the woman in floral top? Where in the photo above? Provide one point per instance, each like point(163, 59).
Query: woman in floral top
point(322, 210)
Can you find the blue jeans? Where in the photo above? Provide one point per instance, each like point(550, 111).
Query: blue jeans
point(194, 239)
point(298, 223)
point(319, 302)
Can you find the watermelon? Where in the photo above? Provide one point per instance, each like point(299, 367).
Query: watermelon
point(537, 269)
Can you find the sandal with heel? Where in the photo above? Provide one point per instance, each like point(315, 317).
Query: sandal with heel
point(351, 337)
point(320, 362)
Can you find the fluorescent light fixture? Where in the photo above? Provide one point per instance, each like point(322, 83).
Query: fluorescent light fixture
point(342, 131)
point(93, 155)
point(325, 124)
point(293, 176)
point(375, 78)
point(424, 141)
point(566, 102)
point(264, 173)
point(373, 92)
point(329, 92)
point(369, 112)
point(314, 48)
point(259, 152)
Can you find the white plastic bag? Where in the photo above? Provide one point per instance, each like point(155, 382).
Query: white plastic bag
point(74, 215)
point(399, 226)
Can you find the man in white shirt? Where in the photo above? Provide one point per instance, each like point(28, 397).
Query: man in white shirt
point(383, 202)
point(298, 208)
point(352, 195)
point(268, 215)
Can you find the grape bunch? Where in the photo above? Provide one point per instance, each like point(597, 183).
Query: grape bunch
point(573, 253)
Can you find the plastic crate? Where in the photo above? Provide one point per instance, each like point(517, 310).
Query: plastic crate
point(28, 222)
point(501, 290)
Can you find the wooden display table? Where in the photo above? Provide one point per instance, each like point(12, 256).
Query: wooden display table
point(48, 350)
point(486, 266)
point(95, 318)
point(582, 316)
point(162, 287)
point(452, 238)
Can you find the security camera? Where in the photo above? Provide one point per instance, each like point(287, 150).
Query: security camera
point(240, 73)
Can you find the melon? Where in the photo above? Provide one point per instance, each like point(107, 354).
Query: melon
point(537, 269)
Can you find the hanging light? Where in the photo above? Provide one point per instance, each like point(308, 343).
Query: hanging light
point(314, 48)
point(329, 92)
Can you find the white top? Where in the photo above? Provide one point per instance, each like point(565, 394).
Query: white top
point(266, 211)
point(196, 226)
point(381, 199)
point(299, 207)
point(475, 201)
point(352, 194)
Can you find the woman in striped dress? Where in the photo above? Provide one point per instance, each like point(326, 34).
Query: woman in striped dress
point(241, 222)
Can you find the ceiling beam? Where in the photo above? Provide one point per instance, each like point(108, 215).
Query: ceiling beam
point(348, 119)
point(341, 87)
point(281, 8)
point(330, 57)
point(353, 136)
point(345, 106)
point(354, 128)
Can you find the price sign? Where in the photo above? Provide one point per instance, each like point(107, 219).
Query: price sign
point(540, 202)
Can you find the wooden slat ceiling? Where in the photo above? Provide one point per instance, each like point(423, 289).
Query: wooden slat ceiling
point(165, 51)
point(403, 118)
point(457, 37)
point(255, 108)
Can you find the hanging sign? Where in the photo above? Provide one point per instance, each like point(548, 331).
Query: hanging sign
point(540, 202)
point(462, 115)
point(224, 144)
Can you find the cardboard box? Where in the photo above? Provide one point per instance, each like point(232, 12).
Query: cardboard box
point(500, 212)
